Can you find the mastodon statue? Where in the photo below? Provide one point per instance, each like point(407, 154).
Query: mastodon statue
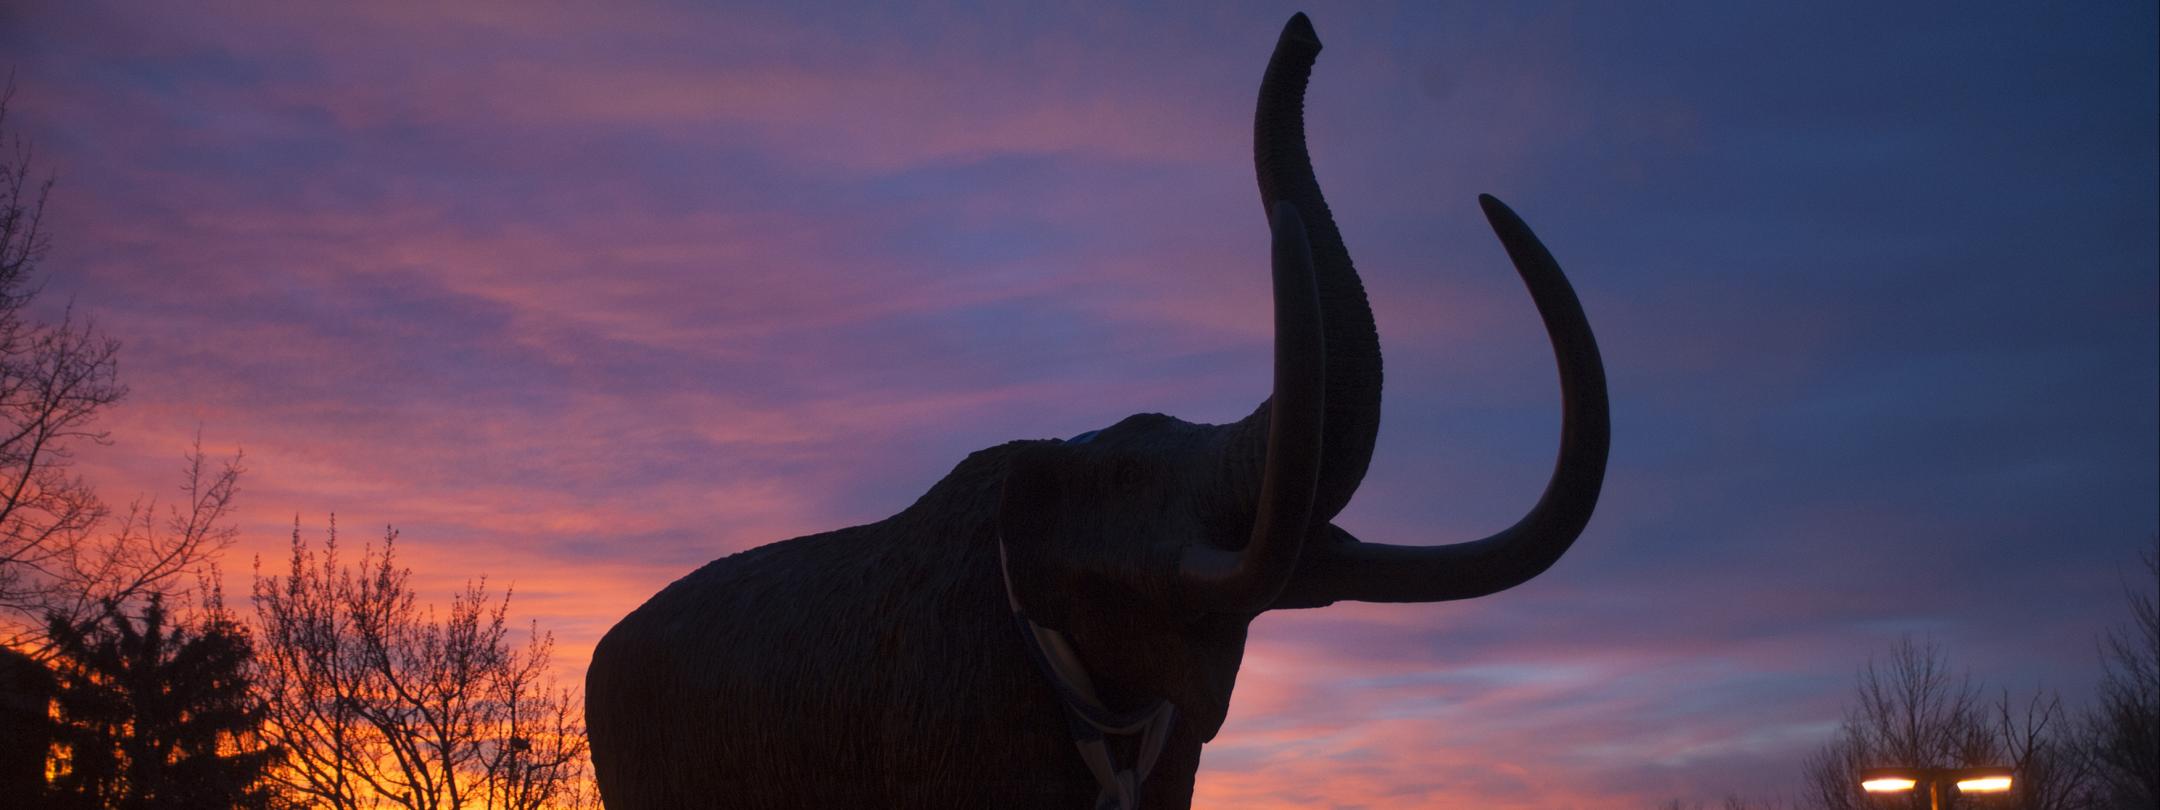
point(1058, 624)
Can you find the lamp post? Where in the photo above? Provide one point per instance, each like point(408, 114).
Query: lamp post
point(1905, 780)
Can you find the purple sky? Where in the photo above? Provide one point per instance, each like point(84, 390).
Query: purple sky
point(580, 298)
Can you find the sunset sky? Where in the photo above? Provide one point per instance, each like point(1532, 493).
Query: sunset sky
point(583, 296)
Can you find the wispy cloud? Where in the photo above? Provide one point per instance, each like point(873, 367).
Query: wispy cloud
point(580, 298)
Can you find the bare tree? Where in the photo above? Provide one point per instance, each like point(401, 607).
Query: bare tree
point(2124, 724)
point(59, 551)
point(143, 552)
point(2046, 755)
point(1732, 802)
point(1912, 711)
point(53, 381)
point(1909, 711)
point(379, 704)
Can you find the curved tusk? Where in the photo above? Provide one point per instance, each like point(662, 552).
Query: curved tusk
point(1341, 568)
point(1247, 581)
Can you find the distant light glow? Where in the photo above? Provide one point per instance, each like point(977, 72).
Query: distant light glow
point(1984, 784)
point(1889, 785)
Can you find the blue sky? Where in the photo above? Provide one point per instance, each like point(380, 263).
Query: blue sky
point(581, 297)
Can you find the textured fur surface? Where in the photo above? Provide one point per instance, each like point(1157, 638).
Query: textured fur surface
point(878, 665)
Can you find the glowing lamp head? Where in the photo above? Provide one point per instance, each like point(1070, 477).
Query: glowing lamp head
point(1889, 780)
point(1985, 783)
point(1888, 784)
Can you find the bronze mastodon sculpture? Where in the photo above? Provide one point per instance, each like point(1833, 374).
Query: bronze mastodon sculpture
point(1060, 623)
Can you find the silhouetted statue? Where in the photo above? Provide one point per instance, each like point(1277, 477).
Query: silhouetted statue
point(1059, 624)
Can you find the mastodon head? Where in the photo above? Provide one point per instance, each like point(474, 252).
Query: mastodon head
point(1154, 542)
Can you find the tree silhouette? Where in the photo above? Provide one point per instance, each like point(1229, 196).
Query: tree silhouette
point(54, 378)
point(61, 549)
point(380, 703)
point(2125, 721)
point(1912, 711)
point(25, 703)
point(149, 713)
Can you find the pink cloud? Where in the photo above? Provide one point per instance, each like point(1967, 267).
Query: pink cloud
point(581, 299)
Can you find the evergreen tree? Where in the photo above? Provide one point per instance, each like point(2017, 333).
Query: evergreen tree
point(150, 713)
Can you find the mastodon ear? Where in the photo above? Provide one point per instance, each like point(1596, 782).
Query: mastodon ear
point(1031, 494)
point(1027, 516)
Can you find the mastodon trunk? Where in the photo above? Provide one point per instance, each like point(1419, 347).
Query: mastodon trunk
point(1353, 345)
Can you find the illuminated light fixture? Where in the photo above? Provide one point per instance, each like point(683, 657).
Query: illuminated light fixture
point(1890, 780)
point(1936, 781)
point(1990, 783)
point(1891, 784)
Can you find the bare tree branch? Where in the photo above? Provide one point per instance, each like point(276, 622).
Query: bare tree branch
point(2123, 727)
point(1911, 711)
point(383, 704)
point(61, 550)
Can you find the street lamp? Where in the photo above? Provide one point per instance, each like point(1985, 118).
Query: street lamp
point(1966, 780)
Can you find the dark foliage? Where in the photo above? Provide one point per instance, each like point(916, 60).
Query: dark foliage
point(25, 700)
point(150, 713)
